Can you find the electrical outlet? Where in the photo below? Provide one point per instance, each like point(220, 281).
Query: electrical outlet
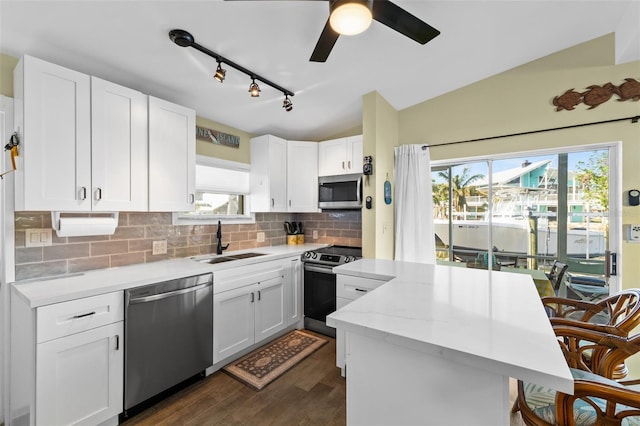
point(37, 237)
point(315, 234)
point(159, 247)
point(634, 233)
point(260, 237)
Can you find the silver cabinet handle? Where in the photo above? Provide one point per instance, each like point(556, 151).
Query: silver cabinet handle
point(88, 314)
point(349, 164)
point(192, 198)
point(98, 194)
point(361, 290)
point(259, 295)
point(252, 297)
point(117, 342)
point(83, 191)
point(343, 165)
point(289, 203)
point(273, 202)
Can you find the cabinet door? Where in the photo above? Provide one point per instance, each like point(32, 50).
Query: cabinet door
point(233, 321)
point(302, 176)
point(270, 317)
point(53, 113)
point(172, 156)
point(79, 378)
point(332, 158)
point(293, 291)
point(268, 174)
point(354, 154)
point(119, 147)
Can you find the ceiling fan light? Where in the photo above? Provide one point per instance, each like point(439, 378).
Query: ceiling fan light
point(220, 73)
point(350, 18)
point(254, 89)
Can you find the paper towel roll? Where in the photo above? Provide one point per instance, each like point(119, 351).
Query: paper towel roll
point(85, 226)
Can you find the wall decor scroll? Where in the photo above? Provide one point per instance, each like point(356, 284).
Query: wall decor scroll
point(217, 137)
point(596, 95)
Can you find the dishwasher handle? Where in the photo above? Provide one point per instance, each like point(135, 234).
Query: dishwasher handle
point(161, 296)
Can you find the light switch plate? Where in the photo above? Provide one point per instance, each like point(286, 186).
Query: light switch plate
point(634, 233)
point(260, 237)
point(37, 237)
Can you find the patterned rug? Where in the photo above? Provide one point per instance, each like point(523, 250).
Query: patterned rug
point(267, 363)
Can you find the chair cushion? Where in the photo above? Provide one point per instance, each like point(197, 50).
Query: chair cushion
point(541, 401)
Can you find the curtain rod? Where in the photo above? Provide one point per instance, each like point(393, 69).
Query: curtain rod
point(633, 119)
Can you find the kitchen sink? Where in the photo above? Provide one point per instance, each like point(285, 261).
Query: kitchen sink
point(214, 260)
point(245, 255)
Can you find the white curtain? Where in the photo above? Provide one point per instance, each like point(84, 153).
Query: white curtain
point(413, 205)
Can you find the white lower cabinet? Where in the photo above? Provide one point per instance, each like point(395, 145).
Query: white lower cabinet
point(67, 361)
point(79, 377)
point(250, 308)
point(348, 289)
point(253, 303)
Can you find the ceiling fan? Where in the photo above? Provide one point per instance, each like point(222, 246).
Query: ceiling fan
point(349, 17)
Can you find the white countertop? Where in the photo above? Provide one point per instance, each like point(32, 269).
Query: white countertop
point(40, 292)
point(486, 319)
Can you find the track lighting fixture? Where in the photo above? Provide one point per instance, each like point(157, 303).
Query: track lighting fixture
point(185, 39)
point(220, 73)
point(254, 89)
point(287, 105)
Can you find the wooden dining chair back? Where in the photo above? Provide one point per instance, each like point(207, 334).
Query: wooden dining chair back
point(618, 314)
point(597, 400)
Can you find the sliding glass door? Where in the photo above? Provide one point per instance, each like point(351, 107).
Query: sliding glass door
point(529, 210)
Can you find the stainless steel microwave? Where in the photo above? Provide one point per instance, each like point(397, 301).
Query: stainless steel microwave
point(340, 192)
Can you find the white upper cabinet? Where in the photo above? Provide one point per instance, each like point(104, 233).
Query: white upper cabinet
point(172, 156)
point(340, 156)
point(119, 160)
point(268, 174)
point(84, 141)
point(284, 175)
point(302, 176)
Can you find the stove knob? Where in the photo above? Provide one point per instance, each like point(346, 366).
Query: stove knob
point(306, 254)
point(314, 255)
point(348, 259)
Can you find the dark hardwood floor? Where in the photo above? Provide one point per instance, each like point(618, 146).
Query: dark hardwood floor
point(311, 393)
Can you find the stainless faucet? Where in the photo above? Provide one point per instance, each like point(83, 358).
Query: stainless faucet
point(220, 247)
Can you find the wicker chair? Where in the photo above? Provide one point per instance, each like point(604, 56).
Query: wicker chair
point(556, 274)
point(597, 400)
point(617, 314)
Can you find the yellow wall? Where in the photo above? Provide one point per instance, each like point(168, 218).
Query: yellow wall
point(380, 136)
point(241, 154)
point(7, 64)
point(520, 100)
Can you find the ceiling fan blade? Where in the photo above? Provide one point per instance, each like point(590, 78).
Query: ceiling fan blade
point(327, 39)
point(402, 21)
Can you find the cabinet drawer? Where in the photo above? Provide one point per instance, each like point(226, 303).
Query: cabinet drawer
point(351, 288)
point(74, 316)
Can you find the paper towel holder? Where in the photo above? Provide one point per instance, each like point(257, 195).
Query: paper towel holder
point(76, 226)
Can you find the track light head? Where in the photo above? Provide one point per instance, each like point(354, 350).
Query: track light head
point(254, 89)
point(220, 73)
point(181, 38)
point(287, 104)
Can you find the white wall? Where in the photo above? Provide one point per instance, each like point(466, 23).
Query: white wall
point(7, 267)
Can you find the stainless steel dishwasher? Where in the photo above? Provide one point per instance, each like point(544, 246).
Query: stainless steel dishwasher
point(168, 332)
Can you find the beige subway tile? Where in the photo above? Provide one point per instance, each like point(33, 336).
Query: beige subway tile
point(127, 259)
point(177, 241)
point(208, 249)
point(66, 251)
point(243, 245)
point(158, 231)
point(199, 240)
point(28, 254)
point(28, 220)
point(88, 239)
point(150, 257)
point(88, 264)
point(128, 233)
point(140, 245)
point(236, 236)
point(41, 270)
point(109, 247)
point(187, 252)
point(20, 237)
point(153, 218)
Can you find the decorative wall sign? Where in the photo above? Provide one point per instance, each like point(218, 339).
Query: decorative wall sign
point(216, 137)
point(596, 95)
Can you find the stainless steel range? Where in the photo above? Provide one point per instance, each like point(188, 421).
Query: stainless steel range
point(320, 284)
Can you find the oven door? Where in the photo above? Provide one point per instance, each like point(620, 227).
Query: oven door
point(319, 297)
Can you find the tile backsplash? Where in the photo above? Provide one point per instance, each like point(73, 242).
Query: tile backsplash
point(133, 239)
